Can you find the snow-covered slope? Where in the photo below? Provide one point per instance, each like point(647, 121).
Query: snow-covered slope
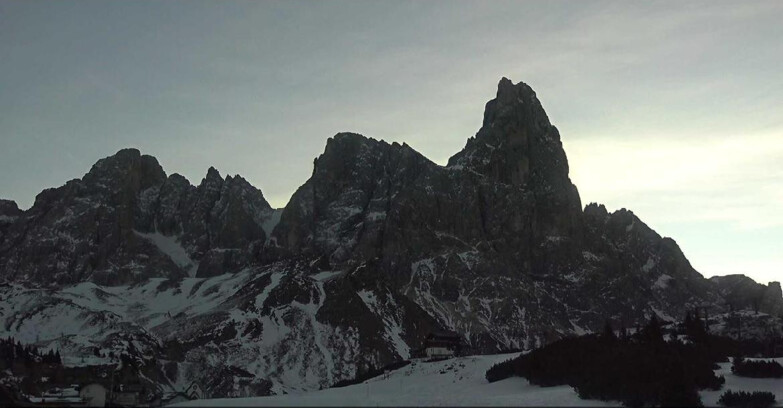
point(461, 382)
point(284, 327)
point(737, 383)
point(454, 382)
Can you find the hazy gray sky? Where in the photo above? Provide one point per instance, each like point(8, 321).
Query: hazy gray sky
point(671, 109)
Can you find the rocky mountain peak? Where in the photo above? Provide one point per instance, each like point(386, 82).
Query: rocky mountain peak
point(596, 212)
point(8, 208)
point(354, 144)
point(510, 99)
point(344, 147)
point(239, 186)
point(127, 168)
point(209, 189)
point(775, 287)
point(516, 143)
point(740, 292)
point(213, 177)
point(341, 210)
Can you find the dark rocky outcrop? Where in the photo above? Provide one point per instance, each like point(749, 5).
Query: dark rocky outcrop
point(741, 292)
point(9, 209)
point(126, 221)
point(495, 245)
point(9, 212)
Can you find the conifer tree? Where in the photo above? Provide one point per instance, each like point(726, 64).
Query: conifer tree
point(653, 333)
point(623, 332)
point(608, 333)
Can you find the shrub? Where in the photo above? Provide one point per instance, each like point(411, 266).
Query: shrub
point(500, 371)
point(756, 369)
point(747, 399)
point(639, 372)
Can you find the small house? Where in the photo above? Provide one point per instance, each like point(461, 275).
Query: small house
point(58, 396)
point(418, 353)
point(443, 344)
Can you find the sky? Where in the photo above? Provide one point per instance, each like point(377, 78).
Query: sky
point(673, 110)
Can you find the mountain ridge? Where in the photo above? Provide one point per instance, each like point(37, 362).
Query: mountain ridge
point(377, 248)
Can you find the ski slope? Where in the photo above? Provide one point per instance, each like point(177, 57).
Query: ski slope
point(454, 382)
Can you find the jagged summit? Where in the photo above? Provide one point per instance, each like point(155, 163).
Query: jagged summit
point(349, 143)
point(510, 99)
point(125, 221)
point(128, 167)
point(741, 292)
point(516, 143)
point(346, 200)
point(212, 174)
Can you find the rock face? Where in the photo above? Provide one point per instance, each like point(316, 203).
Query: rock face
point(378, 248)
point(9, 212)
point(495, 245)
point(517, 146)
point(125, 222)
point(741, 292)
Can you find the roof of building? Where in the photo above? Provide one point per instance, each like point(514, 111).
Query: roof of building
point(443, 333)
point(446, 344)
point(193, 385)
point(128, 387)
point(447, 338)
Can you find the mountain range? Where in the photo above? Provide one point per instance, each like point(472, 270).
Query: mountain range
point(380, 247)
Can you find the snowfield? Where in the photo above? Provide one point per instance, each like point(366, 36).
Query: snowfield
point(737, 383)
point(461, 382)
point(454, 382)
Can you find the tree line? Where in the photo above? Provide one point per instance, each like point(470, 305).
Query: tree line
point(14, 354)
point(639, 370)
point(756, 369)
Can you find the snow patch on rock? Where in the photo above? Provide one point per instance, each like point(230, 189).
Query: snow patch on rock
point(171, 247)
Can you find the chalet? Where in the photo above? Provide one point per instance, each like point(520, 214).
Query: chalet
point(443, 344)
point(59, 396)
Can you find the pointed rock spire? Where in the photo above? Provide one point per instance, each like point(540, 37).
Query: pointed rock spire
point(212, 175)
point(516, 143)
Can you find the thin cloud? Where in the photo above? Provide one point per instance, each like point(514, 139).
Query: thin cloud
point(668, 108)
